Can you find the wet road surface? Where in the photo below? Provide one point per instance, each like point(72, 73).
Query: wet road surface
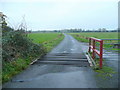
point(47, 73)
point(111, 60)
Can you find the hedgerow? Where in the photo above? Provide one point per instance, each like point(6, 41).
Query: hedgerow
point(15, 44)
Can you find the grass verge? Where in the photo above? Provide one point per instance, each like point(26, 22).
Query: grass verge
point(51, 44)
point(14, 67)
point(105, 72)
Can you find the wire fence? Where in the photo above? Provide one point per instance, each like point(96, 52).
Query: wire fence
point(110, 45)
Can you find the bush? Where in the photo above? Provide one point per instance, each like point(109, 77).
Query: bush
point(15, 44)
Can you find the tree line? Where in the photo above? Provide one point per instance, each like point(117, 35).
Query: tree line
point(74, 30)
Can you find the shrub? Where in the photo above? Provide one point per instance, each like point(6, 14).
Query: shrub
point(15, 44)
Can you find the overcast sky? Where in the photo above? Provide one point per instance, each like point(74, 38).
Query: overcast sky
point(62, 14)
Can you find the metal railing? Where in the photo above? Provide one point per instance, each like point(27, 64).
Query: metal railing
point(92, 46)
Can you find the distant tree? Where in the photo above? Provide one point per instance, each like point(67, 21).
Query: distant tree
point(99, 30)
point(55, 31)
point(103, 30)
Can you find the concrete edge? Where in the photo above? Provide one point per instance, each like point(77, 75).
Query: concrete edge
point(90, 60)
point(34, 61)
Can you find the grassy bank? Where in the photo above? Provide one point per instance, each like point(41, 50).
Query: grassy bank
point(47, 40)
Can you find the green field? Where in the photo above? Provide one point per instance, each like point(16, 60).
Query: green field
point(42, 37)
point(100, 35)
point(49, 40)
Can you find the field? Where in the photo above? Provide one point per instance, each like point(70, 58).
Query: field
point(100, 35)
point(49, 40)
point(42, 37)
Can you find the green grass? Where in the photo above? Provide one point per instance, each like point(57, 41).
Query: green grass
point(14, 67)
point(42, 37)
point(49, 40)
point(100, 35)
point(105, 72)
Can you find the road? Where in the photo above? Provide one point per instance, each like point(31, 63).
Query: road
point(57, 76)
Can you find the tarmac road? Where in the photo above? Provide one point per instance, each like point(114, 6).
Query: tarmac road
point(57, 76)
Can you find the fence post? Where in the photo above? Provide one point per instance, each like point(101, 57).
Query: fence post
point(89, 45)
point(101, 53)
point(93, 55)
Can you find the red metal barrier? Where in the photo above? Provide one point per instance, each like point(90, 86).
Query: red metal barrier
point(92, 46)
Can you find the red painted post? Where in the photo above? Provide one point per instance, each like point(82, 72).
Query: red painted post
point(89, 45)
point(93, 54)
point(101, 53)
point(92, 45)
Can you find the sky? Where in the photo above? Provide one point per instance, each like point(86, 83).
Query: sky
point(61, 14)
